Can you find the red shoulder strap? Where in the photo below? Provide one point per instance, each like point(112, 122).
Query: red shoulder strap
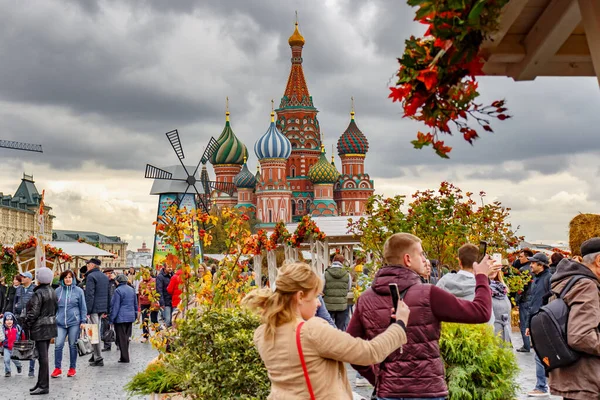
point(299, 345)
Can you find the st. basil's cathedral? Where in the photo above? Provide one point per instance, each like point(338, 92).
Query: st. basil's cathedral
point(294, 177)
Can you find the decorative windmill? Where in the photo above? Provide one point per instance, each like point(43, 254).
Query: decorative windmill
point(176, 185)
point(202, 187)
point(8, 144)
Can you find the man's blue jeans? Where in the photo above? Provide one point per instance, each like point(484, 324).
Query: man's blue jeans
point(167, 311)
point(523, 321)
point(540, 374)
point(7, 354)
point(73, 333)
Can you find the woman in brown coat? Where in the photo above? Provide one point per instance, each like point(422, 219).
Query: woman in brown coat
point(325, 349)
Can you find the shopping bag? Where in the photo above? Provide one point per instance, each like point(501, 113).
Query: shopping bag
point(84, 346)
point(24, 350)
point(91, 331)
point(109, 336)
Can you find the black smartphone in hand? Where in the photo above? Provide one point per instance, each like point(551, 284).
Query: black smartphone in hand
point(482, 250)
point(395, 295)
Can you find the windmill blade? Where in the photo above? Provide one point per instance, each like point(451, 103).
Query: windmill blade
point(153, 172)
point(211, 147)
point(9, 144)
point(173, 137)
point(203, 201)
point(225, 187)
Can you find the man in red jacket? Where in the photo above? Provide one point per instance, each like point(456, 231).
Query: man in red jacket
point(417, 370)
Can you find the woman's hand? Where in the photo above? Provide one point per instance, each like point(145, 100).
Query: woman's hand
point(402, 312)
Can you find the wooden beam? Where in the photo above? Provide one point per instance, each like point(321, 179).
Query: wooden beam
point(546, 37)
point(548, 69)
point(510, 12)
point(512, 50)
point(590, 13)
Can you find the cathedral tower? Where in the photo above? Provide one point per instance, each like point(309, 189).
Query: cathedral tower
point(273, 194)
point(297, 120)
point(353, 187)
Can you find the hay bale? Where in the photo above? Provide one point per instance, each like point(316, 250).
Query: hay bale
point(582, 228)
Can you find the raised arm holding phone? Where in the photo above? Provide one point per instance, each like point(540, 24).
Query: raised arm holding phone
point(418, 370)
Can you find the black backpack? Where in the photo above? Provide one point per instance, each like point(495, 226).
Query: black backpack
point(548, 332)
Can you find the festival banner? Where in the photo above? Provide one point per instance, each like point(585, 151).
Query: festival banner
point(160, 248)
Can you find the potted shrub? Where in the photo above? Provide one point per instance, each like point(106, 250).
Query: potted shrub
point(479, 365)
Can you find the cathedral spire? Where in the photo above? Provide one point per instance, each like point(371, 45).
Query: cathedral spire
point(296, 93)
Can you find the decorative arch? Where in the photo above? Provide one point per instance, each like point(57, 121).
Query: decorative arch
point(349, 185)
point(300, 205)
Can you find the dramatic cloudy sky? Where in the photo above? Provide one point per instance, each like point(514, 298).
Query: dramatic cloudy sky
point(98, 83)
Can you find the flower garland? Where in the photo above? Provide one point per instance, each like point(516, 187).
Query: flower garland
point(436, 79)
point(51, 252)
point(307, 229)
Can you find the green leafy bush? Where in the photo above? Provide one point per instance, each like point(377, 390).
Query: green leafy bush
point(216, 358)
point(156, 378)
point(479, 365)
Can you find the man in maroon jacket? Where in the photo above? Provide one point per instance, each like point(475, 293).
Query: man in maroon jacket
point(417, 370)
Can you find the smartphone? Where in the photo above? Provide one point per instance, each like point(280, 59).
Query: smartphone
point(497, 257)
point(482, 250)
point(395, 295)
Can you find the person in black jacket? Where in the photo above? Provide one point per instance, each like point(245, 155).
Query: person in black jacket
point(105, 325)
point(165, 299)
point(522, 300)
point(11, 291)
point(97, 300)
point(539, 294)
point(40, 325)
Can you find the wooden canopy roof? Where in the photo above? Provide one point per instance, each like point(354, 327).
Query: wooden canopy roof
point(546, 38)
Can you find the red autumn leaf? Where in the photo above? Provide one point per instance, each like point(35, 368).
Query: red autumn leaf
point(398, 93)
point(412, 105)
point(502, 117)
point(428, 77)
point(488, 128)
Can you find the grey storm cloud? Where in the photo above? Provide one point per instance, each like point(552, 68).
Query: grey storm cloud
point(108, 66)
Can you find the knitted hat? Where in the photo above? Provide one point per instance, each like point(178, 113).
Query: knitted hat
point(44, 275)
point(121, 278)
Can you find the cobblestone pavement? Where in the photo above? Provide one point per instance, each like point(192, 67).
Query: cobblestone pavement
point(526, 378)
point(95, 383)
point(90, 383)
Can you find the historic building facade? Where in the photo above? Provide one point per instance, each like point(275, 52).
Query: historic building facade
point(18, 214)
point(112, 244)
point(294, 177)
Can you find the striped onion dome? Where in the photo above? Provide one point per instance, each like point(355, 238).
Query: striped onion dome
point(231, 150)
point(323, 171)
point(273, 144)
point(245, 179)
point(352, 140)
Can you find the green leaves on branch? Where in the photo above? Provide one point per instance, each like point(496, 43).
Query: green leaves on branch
point(444, 219)
point(479, 365)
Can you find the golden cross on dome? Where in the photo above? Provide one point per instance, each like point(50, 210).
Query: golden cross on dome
point(272, 110)
point(227, 108)
point(296, 17)
point(352, 107)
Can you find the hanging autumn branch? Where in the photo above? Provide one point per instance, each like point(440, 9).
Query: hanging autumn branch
point(436, 79)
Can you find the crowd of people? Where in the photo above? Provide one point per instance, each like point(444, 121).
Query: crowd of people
point(305, 339)
point(58, 308)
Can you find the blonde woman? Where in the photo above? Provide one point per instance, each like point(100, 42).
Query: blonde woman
point(501, 305)
point(289, 335)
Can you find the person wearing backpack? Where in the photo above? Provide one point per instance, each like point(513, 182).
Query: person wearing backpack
point(580, 380)
point(539, 294)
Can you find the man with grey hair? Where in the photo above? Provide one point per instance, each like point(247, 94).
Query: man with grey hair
point(580, 380)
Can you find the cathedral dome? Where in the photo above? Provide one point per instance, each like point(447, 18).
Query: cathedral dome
point(231, 150)
point(296, 39)
point(245, 179)
point(323, 171)
point(352, 140)
point(273, 144)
